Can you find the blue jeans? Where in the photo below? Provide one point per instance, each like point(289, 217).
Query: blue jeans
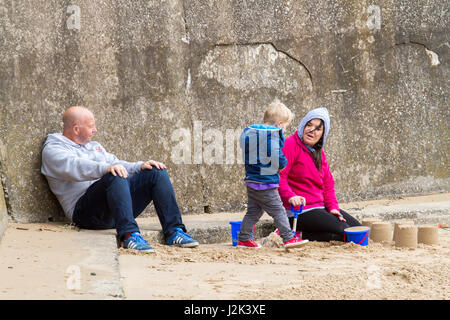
point(115, 202)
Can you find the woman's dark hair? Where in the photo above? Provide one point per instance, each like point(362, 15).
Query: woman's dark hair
point(317, 155)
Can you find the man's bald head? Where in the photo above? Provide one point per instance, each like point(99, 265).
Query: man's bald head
point(78, 124)
point(75, 115)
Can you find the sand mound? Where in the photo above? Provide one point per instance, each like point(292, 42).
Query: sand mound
point(319, 270)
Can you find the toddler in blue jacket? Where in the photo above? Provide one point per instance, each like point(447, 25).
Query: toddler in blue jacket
point(261, 148)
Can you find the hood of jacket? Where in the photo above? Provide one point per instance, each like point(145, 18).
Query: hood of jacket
point(59, 138)
point(318, 113)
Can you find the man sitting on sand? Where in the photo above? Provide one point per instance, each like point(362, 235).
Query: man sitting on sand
point(98, 191)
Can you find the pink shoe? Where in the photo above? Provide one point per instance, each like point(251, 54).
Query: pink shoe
point(297, 234)
point(248, 244)
point(295, 243)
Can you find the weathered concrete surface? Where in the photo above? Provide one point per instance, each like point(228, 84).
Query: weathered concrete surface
point(3, 212)
point(53, 261)
point(159, 72)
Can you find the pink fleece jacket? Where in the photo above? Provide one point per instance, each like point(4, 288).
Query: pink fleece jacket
point(301, 178)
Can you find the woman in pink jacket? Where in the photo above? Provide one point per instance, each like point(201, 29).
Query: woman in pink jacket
point(307, 180)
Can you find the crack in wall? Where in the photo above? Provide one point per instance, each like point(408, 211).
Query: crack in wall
point(185, 38)
point(275, 48)
point(434, 58)
point(412, 42)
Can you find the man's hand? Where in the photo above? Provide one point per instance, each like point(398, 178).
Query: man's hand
point(152, 163)
point(297, 201)
point(118, 169)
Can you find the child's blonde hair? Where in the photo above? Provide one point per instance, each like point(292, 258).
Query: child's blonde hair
point(277, 111)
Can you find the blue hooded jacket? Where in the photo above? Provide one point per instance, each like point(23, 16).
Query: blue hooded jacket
point(261, 151)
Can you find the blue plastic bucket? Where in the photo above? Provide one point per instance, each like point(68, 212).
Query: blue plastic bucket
point(235, 229)
point(358, 235)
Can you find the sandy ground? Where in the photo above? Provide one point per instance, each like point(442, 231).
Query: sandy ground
point(333, 270)
point(35, 261)
point(30, 267)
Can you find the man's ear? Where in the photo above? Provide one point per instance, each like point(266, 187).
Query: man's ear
point(76, 129)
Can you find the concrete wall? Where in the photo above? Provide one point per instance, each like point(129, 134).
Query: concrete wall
point(3, 212)
point(157, 73)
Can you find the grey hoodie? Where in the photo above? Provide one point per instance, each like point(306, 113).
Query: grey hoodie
point(318, 113)
point(71, 168)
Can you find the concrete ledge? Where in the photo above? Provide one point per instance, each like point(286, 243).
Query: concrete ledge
point(56, 261)
point(420, 212)
point(209, 232)
point(215, 228)
point(103, 260)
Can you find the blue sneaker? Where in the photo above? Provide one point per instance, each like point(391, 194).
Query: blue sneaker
point(137, 242)
point(181, 239)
